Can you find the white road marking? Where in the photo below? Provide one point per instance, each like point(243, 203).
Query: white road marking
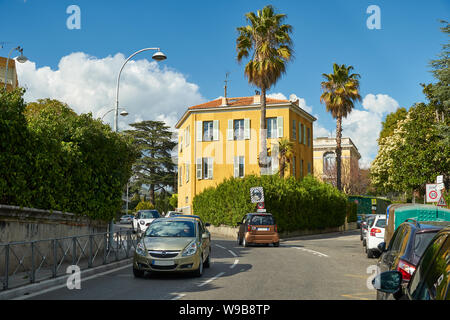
point(212, 279)
point(222, 247)
point(234, 254)
point(179, 296)
point(234, 264)
point(313, 252)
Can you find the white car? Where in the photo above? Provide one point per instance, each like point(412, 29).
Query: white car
point(143, 219)
point(375, 235)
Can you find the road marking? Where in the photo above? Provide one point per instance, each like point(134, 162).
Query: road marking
point(212, 279)
point(222, 247)
point(65, 284)
point(319, 254)
point(234, 254)
point(234, 264)
point(179, 296)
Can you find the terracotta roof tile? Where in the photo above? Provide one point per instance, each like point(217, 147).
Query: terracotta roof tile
point(234, 102)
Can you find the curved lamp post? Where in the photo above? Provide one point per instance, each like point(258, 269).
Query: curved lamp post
point(20, 59)
point(124, 113)
point(158, 56)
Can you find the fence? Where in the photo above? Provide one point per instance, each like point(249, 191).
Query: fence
point(33, 261)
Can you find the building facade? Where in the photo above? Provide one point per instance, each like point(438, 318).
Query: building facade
point(220, 139)
point(11, 77)
point(325, 161)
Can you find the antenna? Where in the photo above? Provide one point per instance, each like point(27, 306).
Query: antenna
point(2, 44)
point(226, 84)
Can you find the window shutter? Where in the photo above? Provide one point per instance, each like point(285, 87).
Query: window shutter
point(299, 132)
point(247, 129)
point(199, 131)
point(236, 167)
point(280, 127)
point(187, 134)
point(215, 130)
point(187, 171)
point(181, 143)
point(308, 136)
point(210, 168)
point(304, 134)
point(199, 168)
point(230, 130)
point(294, 129)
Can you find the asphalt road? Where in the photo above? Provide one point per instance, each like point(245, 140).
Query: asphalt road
point(319, 267)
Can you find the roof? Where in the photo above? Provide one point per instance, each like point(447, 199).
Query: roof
point(234, 102)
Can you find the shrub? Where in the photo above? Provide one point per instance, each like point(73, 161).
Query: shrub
point(144, 205)
point(295, 204)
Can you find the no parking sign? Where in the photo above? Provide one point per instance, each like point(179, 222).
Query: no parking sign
point(433, 193)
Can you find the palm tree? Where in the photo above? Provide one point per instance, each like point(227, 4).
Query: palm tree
point(285, 147)
point(340, 91)
point(269, 43)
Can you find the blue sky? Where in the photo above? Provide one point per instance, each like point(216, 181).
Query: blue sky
point(199, 37)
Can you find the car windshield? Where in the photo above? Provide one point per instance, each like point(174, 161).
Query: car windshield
point(262, 220)
point(370, 221)
point(171, 229)
point(421, 242)
point(151, 214)
point(381, 223)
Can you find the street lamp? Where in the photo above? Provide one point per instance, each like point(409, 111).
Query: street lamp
point(123, 113)
point(20, 59)
point(157, 56)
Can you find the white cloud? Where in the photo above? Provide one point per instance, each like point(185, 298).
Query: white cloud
point(364, 126)
point(277, 95)
point(88, 84)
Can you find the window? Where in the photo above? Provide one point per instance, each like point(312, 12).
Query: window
point(262, 220)
point(239, 167)
point(208, 131)
point(329, 162)
point(187, 134)
point(187, 171)
point(294, 129)
point(301, 134)
point(181, 143)
point(271, 128)
point(308, 136)
point(301, 169)
point(309, 167)
point(207, 164)
point(180, 175)
point(238, 126)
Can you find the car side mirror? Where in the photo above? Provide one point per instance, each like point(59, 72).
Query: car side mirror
point(388, 282)
point(382, 247)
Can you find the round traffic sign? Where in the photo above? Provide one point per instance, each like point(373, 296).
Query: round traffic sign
point(433, 194)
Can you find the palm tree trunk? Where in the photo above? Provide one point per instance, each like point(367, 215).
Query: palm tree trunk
point(282, 166)
point(263, 160)
point(338, 152)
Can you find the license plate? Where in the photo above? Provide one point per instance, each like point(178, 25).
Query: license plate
point(263, 229)
point(163, 262)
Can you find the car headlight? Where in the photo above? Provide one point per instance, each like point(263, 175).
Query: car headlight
point(140, 249)
point(190, 249)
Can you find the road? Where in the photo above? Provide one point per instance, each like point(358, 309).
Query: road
point(318, 267)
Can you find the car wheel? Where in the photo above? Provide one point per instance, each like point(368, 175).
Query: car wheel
point(207, 262)
point(369, 254)
point(276, 244)
point(138, 273)
point(239, 241)
point(199, 271)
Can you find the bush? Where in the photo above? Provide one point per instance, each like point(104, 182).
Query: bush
point(352, 210)
point(144, 205)
point(296, 205)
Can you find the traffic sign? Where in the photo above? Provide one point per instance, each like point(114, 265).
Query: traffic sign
point(433, 193)
point(439, 179)
point(257, 194)
point(442, 202)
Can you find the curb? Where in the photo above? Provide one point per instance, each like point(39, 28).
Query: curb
point(45, 284)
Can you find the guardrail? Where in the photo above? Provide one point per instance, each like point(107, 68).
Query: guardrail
point(28, 262)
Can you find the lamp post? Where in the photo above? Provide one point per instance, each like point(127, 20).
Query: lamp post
point(20, 59)
point(158, 56)
point(124, 113)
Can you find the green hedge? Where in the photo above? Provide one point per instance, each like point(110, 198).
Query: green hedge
point(53, 159)
point(295, 204)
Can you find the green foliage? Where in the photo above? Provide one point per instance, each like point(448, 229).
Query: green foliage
point(389, 125)
point(144, 205)
point(174, 200)
point(62, 161)
point(352, 209)
point(295, 204)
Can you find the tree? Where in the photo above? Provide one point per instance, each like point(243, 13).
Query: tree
point(389, 125)
point(340, 91)
point(154, 167)
point(285, 152)
point(267, 40)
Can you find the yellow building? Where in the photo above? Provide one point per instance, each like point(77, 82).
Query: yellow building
point(220, 139)
point(12, 81)
point(325, 161)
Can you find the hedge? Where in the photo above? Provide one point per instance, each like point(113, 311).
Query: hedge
point(295, 204)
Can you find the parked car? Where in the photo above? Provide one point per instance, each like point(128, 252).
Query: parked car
point(126, 219)
point(406, 247)
point(365, 228)
point(375, 235)
point(173, 245)
point(143, 218)
point(359, 219)
point(258, 228)
point(431, 279)
point(173, 213)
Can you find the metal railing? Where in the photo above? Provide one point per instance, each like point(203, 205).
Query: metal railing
point(28, 262)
